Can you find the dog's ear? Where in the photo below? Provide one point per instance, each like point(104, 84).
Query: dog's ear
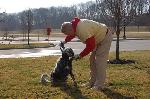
point(62, 50)
point(62, 45)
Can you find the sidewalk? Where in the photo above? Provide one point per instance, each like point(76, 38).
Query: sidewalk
point(125, 45)
point(52, 39)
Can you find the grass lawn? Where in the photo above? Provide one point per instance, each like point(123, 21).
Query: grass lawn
point(19, 79)
point(142, 35)
point(25, 46)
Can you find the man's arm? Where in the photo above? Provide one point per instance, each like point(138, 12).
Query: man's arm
point(90, 45)
point(69, 38)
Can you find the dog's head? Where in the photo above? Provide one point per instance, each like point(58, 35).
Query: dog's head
point(67, 52)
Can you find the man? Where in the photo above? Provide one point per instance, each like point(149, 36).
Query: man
point(97, 38)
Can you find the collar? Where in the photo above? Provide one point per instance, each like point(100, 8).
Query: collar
point(75, 22)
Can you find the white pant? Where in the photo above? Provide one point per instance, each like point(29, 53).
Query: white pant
point(98, 61)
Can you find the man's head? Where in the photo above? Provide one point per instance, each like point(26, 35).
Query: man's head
point(67, 29)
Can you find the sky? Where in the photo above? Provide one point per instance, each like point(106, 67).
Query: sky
point(14, 6)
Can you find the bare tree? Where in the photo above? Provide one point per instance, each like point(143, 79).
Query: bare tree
point(23, 24)
point(26, 19)
point(2, 16)
point(3, 21)
point(117, 14)
point(140, 10)
point(29, 23)
point(87, 10)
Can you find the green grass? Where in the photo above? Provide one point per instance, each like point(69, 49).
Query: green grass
point(142, 35)
point(25, 46)
point(19, 78)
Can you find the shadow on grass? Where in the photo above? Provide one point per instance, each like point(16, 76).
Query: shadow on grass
point(123, 61)
point(115, 95)
point(72, 91)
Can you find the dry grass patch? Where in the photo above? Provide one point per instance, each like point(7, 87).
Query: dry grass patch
point(25, 46)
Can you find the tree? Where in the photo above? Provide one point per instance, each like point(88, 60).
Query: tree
point(140, 11)
point(87, 10)
point(29, 16)
point(120, 13)
point(2, 16)
point(23, 24)
point(4, 27)
point(41, 17)
point(26, 20)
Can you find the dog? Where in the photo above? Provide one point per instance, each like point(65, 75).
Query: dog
point(63, 68)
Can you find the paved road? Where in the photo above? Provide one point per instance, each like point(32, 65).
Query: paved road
point(125, 45)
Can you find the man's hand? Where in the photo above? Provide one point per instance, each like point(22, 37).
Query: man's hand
point(77, 56)
point(61, 44)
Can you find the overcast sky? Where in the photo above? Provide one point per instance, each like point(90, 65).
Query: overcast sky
point(12, 6)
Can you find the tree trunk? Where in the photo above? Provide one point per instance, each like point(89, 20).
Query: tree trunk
point(6, 35)
point(138, 28)
point(124, 32)
point(28, 37)
point(117, 44)
point(38, 37)
point(118, 30)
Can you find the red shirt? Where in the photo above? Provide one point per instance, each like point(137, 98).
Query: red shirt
point(90, 42)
